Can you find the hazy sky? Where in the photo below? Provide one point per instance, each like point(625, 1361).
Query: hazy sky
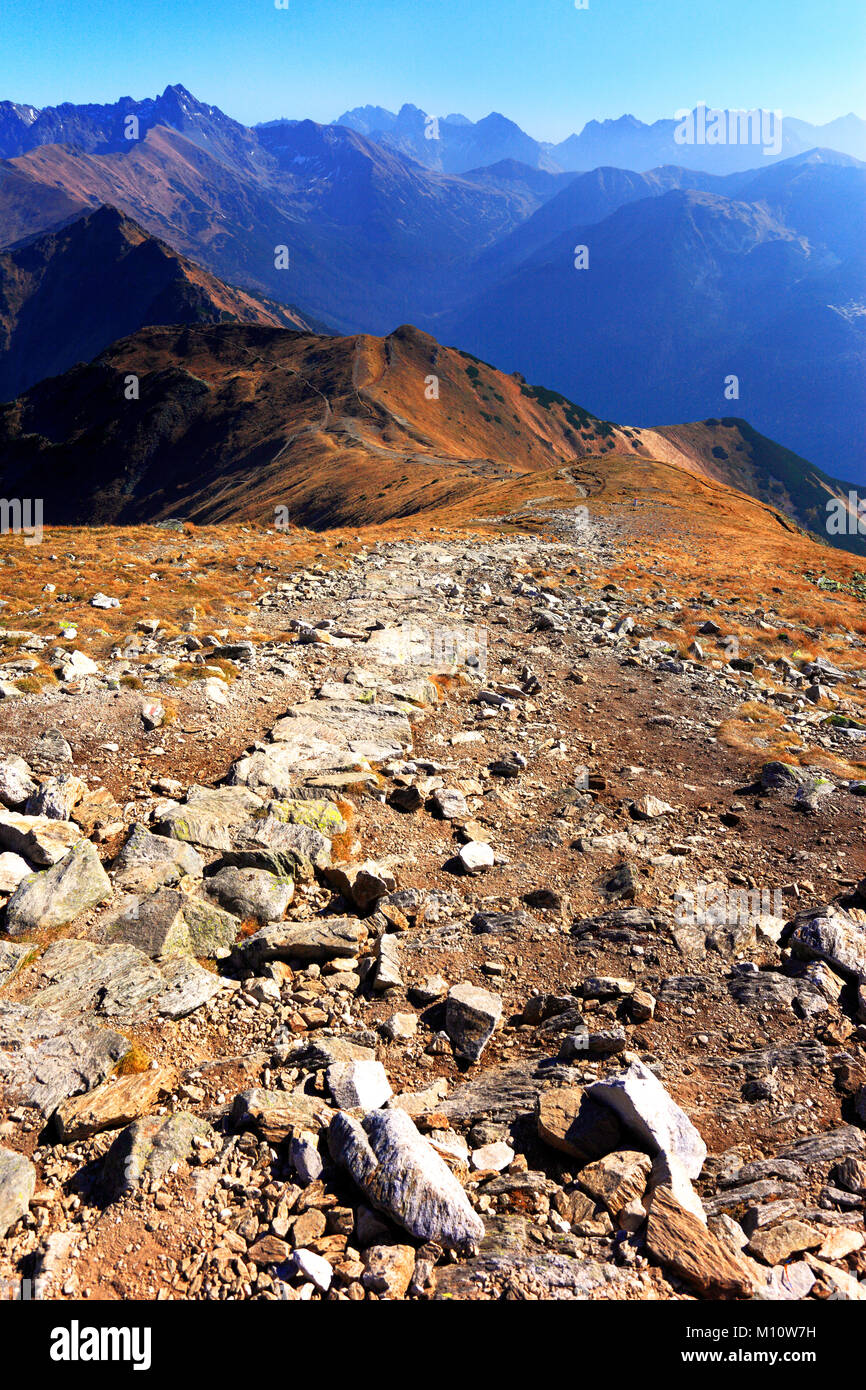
point(545, 63)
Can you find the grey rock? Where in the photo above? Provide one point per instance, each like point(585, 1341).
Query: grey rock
point(153, 861)
point(46, 1057)
point(401, 1174)
point(149, 1147)
point(321, 938)
point(17, 1185)
point(471, 1014)
point(831, 934)
point(74, 885)
point(251, 893)
point(56, 797)
point(52, 746)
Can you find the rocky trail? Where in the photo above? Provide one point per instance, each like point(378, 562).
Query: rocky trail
point(445, 951)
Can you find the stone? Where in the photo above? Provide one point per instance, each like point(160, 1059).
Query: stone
point(401, 1027)
point(16, 782)
point(150, 861)
point(617, 1179)
point(96, 812)
point(56, 797)
point(475, 857)
point(428, 990)
point(388, 1269)
point(12, 870)
point(401, 1174)
point(669, 1173)
point(100, 600)
point(12, 957)
point(170, 922)
point(784, 777)
point(279, 1115)
point(492, 1157)
point(651, 808)
point(645, 1107)
point(38, 839)
point(314, 1267)
point(840, 1243)
point(471, 1014)
point(76, 664)
point(115, 1103)
point(17, 1185)
point(389, 974)
point(569, 1119)
point(678, 1240)
point(45, 1057)
point(449, 804)
point(52, 747)
point(74, 885)
point(268, 1250)
point(775, 1244)
point(830, 934)
point(363, 1084)
point(362, 885)
point(251, 893)
point(152, 714)
point(305, 1157)
point(320, 939)
point(149, 1147)
point(289, 851)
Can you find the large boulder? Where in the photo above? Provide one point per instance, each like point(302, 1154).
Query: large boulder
point(74, 885)
point(402, 1175)
point(645, 1107)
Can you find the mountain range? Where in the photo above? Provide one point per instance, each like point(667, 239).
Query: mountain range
point(455, 144)
point(694, 277)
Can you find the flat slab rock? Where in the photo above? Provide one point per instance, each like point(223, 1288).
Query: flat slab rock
point(120, 982)
point(401, 1174)
point(17, 1185)
point(679, 1241)
point(321, 938)
point(46, 1057)
point(505, 1093)
point(116, 1102)
point(510, 1264)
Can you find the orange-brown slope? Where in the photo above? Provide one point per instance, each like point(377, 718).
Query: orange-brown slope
point(233, 420)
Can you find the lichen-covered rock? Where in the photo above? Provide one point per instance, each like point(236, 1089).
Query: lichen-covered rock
point(150, 861)
point(74, 885)
point(149, 1147)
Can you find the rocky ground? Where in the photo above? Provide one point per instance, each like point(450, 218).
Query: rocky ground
point(445, 939)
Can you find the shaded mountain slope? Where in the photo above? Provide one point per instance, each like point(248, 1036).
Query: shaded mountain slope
point(65, 295)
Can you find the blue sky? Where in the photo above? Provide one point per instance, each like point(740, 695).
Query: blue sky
point(544, 63)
